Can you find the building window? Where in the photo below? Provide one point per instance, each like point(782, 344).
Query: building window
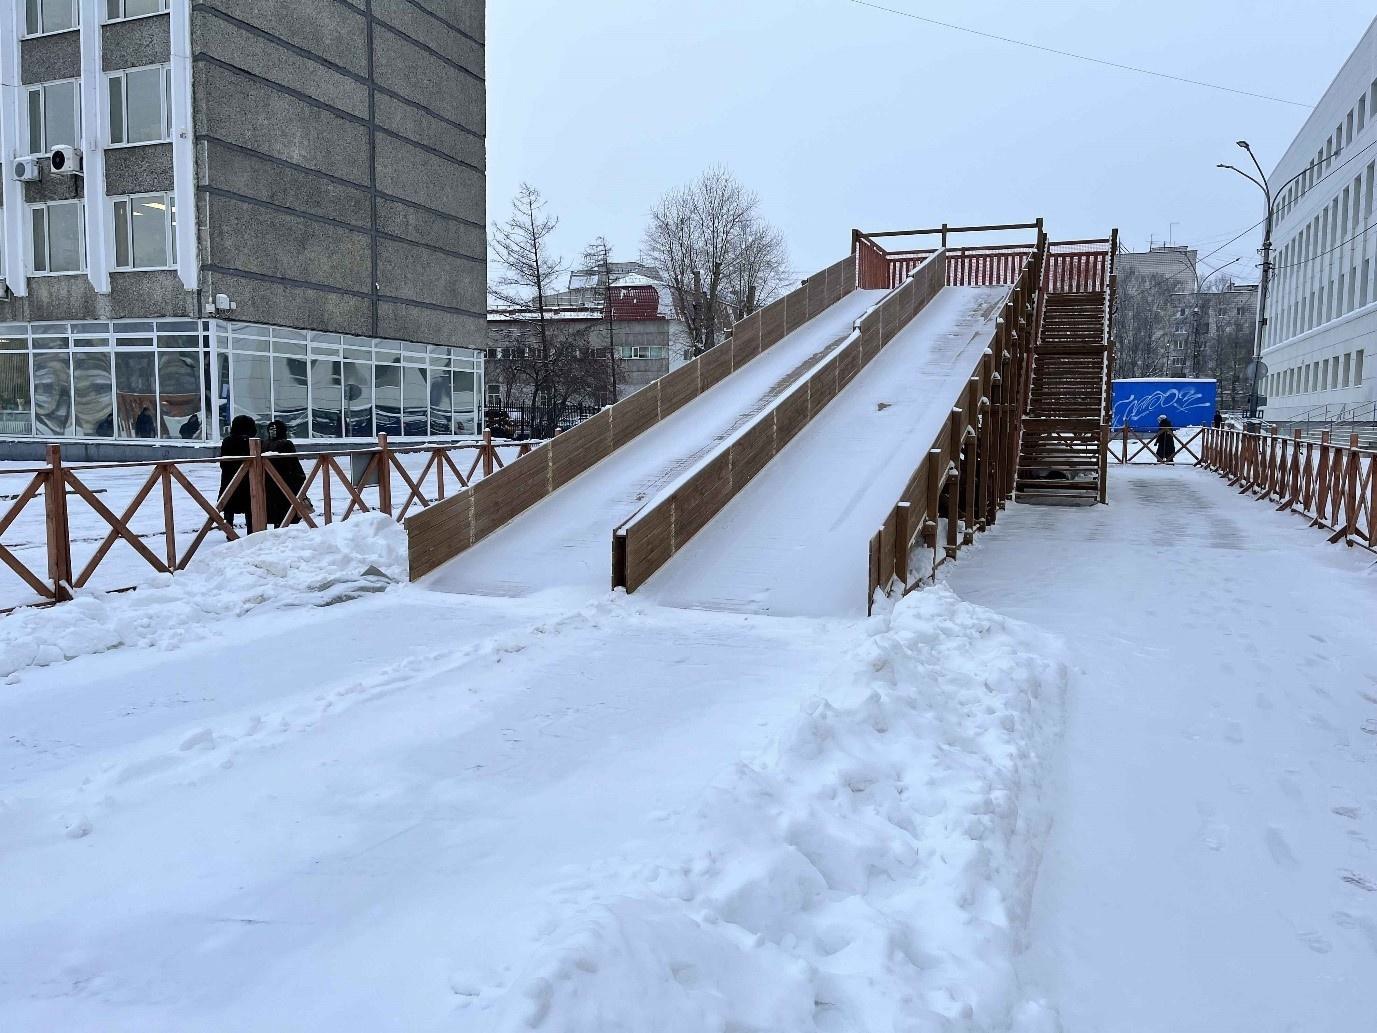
point(1358, 368)
point(58, 234)
point(145, 231)
point(117, 9)
point(141, 105)
point(42, 16)
point(54, 115)
point(1348, 368)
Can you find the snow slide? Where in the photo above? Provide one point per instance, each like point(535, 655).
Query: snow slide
point(795, 540)
point(563, 541)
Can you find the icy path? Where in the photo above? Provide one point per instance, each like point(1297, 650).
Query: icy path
point(795, 540)
point(1213, 864)
point(566, 540)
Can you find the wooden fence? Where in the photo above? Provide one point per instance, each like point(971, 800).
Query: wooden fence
point(1332, 484)
point(105, 525)
point(646, 541)
point(1137, 446)
point(444, 531)
point(970, 470)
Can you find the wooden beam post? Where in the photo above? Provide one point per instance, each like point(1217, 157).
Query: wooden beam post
point(57, 525)
point(258, 494)
point(385, 475)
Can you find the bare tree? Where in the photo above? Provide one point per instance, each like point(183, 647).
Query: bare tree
point(597, 257)
point(1143, 325)
point(548, 365)
point(721, 260)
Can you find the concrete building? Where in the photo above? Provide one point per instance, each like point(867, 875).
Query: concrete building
point(241, 206)
point(1171, 262)
point(1212, 335)
point(1322, 312)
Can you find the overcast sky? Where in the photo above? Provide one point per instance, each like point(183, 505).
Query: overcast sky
point(842, 116)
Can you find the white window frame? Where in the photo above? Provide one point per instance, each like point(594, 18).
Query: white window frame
point(42, 30)
point(47, 206)
point(165, 104)
point(169, 202)
point(109, 19)
point(42, 90)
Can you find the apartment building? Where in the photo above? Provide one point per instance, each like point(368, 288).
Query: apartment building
point(241, 207)
point(1322, 312)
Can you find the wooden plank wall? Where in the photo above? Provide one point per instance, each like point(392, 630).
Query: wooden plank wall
point(441, 532)
point(646, 542)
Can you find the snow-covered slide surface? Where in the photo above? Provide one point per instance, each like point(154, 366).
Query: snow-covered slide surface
point(794, 541)
point(565, 540)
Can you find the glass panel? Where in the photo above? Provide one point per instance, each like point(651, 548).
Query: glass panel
point(15, 403)
point(291, 398)
point(149, 220)
point(186, 341)
point(38, 230)
point(52, 389)
point(50, 343)
point(59, 115)
point(35, 122)
point(122, 256)
point(95, 406)
point(441, 403)
point(64, 238)
point(112, 9)
point(388, 397)
point(134, 8)
point(116, 92)
point(465, 407)
point(358, 398)
point(14, 344)
point(136, 396)
point(179, 395)
point(144, 101)
point(250, 393)
point(415, 399)
point(327, 399)
point(32, 22)
point(178, 326)
point(91, 342)
point(289, 348)
point(59, 15)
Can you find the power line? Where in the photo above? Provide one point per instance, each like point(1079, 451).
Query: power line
point(1080, 57)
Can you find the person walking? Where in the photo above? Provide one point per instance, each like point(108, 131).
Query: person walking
point(1165, 441)
point(280, 510)
point(233, 450)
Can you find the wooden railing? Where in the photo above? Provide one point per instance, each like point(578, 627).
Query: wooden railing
point(970, 469)
point(104, 526)
point(1138, 446)
point(666, 523)
point(979, 265)
point(1079, 266)
point(441, 533)
point(1332, 484)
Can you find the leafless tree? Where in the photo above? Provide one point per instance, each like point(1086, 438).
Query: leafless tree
point(548, 365)
point(1143, 325)
point(720, 258)
point(597, 257)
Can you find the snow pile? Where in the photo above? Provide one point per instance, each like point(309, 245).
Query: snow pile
point(872, 871)
point(293, 567)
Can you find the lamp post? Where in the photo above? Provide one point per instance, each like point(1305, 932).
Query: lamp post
point(1262, 184)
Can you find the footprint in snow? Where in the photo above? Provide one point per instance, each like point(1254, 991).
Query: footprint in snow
point(1315, 942)
point(1362, 882)
point(1279, 848)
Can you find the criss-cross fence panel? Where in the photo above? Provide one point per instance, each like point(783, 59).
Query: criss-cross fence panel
point(1332, 484)
point(107, 526)
point(1134, 446)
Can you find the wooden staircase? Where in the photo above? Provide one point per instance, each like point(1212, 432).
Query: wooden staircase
point(1064, 442)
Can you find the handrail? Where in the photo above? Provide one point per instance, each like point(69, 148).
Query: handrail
point(940, 230)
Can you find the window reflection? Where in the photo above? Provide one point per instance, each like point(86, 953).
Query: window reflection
point(95, 404)
point(327, 395)
point(415, 401)
point(291, 398)
point(52, 393)
point(179, 395)
point(358, 398)
point(388, 396)
point(252, 388)
point(136, 395)
point(441, 402)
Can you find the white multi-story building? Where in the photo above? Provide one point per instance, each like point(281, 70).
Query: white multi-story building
point(1322, 312)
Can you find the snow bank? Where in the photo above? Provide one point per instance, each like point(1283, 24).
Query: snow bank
point(293, 567)
point(871, 871)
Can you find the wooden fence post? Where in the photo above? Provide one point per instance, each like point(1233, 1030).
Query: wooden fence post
point(902, 538)
point(58, 528)
point(258, 495)
point(487, 453)
point(384, 476)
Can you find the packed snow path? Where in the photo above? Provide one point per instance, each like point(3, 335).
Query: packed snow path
point(566, 539)
point(1213, 863)
point(795, 540)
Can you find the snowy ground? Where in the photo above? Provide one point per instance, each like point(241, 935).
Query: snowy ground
point(1214, 860)
point(283, 793)
point(422, 811)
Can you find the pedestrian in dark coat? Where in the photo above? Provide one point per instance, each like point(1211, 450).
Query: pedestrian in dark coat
point(243, 429)
point(1165, 441)
point(280, 510)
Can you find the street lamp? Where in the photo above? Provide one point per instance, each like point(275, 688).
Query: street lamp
point(1262, 184)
